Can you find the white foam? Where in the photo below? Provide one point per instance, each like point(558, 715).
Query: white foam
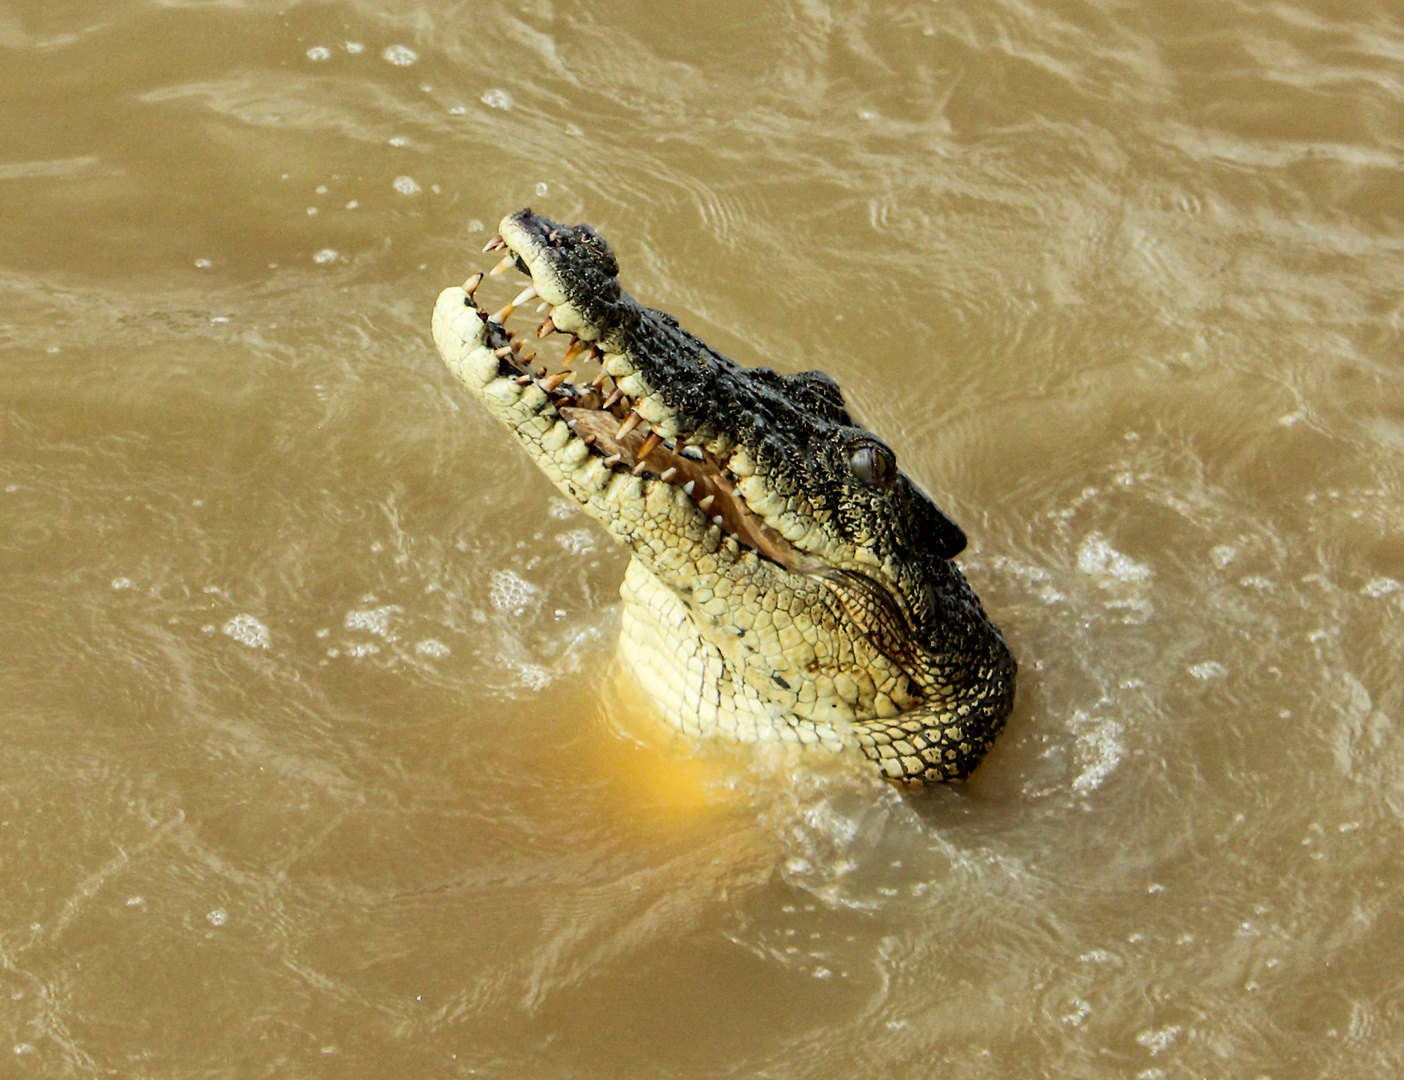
point(432, 648)
point(1381, 586)
point(318, 53)
point(406, 185)
point(373, 620)
point(496, 99)
point(247, 630)
point(1097, 557)
point(325, 256)
point(399, 55)
point(1100, 750)
point(577, 541)
point(1209, 669)
point(512, 593)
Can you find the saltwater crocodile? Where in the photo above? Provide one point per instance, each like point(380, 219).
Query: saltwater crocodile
point(787, 580)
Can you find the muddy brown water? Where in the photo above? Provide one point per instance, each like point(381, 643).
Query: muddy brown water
point(312, 758)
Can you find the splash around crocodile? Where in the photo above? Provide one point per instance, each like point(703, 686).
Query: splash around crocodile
point(788, 581)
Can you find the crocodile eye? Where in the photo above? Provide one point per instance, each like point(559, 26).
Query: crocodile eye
point(874, 465)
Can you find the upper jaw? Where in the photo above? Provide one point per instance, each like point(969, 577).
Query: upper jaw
point(616, 427)
point(574, 270)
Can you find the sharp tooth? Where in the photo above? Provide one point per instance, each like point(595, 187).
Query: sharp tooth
point(504, 351)
point(706, 504)
point(595, 353)
point(495, 243)
point(471, 285)
point(630, 422)
point(575, 349)
point(667, 475)
point(612, 460)
point(588, 438)
point(542, 306)
point(616, 396)
point(529, 293)
point(694, 452)
point(687, 488)
point(546, 327)
point(523, 380)
point(650, 444)
point(501, 316)
point(599, 380)
point(501, 268)
point(640, 467)
point(552, 381)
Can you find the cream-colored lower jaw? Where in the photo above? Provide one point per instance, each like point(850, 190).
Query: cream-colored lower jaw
point(687, 678)
point(684, 674)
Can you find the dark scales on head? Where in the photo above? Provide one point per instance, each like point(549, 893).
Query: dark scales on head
point(783, 455)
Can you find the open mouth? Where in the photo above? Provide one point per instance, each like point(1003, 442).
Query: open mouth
point(575, 376)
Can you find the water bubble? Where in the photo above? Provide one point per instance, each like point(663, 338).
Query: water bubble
point(247, 630)
point(354, 47)
point(431, 648)
point(476, 226)
point(541, 188)
point(311, 211)
point(217, 917)
point(496, 98)
point(458, 110)
point(325, 256)
point(406, 185)
point(398, 140)
point(202, 264)
point(400, 55)
point(1209, 669)
point(321, 189)
point(353, 204)
point(318, 53)
point(121, 583)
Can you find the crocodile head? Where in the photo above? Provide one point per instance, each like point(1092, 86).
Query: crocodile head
point(788, 580)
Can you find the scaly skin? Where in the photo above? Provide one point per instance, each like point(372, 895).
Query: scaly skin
point(787, 580)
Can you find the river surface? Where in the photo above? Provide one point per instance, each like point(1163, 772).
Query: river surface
point(313, 759)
